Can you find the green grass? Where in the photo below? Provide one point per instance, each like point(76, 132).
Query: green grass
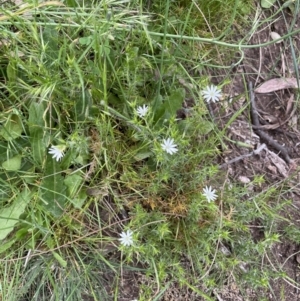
point(73, 76)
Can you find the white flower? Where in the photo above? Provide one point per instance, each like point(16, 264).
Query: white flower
point(126, 238)
point(142, 111)
point(169, 146)
point(211, 93)
point(57, 151)
point(209, 194)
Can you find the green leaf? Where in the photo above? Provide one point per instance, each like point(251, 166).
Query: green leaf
point(80, 199)
point(142, 155)
point(13, 163)
point(164, 110)
point(158, 109)
point(53, 188)
point(174, 101)
point(140, 151)
point(4, 191)
point(9, 216)
point(50, 36)
point(72, 3)
point(3, 151)
point(35, 119)
point(28, 174)
point(290, 4)
point(12, 71)
point(7, 245)
point(206, 127)
point(267, 3)
point(76, 194)
point(85, 40)
point(37, 134)
point(82, 106)
point(61, 261)
point(38, 146)
point(12, 128)
point(73, 183)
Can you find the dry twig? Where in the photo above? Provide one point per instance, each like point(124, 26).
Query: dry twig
point(264, 136)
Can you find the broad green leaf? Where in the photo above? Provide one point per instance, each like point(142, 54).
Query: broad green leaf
point(140, 151)
point(29, 175)
point(37, 145)
point(142, 155)
point(5, 191)
point(174, 101)
point(85, 40)
point(104, 49)
point(68, 158)
point(61, 261)
point(291, 5)
point(73, 183)
point(75, 192)
point(267, 3)
point(53, 189)
point(23, 232)
point(167, 108)
point(12, 128)
point(35, 119)
point(113, 100)
point(82, 106)
point(206, 127)
point(7, 245)
point(9, 216)
point(158, 109)
point(50, 36)
point(37, 134)
point(12, 71)
point(13, 163)
point(72, 3)
point(3, 151)
point(80, 198)
point(15, 74)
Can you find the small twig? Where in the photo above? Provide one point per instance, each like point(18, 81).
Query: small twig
point(264, 136)
point(27, 258)
point(255, 152)
point(218, 297)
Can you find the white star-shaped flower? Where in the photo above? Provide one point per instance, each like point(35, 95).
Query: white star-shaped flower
point(142, 110)
point(211, 93)
point(169, 146)
point(57, 151)
point(126, 238)
point(209, 194)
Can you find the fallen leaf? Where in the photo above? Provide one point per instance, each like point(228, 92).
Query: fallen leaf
point(290, 105)
point(244, 180)
point(276, 84)
point(267, 3)
point(274, 36)
point(293, 122)
point(279, 163)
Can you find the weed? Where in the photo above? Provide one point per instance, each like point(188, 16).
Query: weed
point(93, 147)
